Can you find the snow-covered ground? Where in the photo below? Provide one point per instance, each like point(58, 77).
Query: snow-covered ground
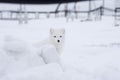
point(91, 52)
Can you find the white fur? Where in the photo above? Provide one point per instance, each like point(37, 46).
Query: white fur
point(56, 38)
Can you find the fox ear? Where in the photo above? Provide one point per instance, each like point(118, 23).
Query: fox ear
point(51, 31)
point(63, 30)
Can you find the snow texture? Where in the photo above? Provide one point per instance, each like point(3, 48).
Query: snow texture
point(50, 55)
point(46, 72)
point(91, 52)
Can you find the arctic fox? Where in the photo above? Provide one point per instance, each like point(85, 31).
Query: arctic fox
point(56, 38)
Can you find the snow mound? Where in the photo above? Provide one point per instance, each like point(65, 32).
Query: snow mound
point(3, 63)
point(18, 56)
point(14, 46)
point(49, 54)
point(46, 72)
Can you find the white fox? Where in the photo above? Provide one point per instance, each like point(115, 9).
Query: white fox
point(56, 38)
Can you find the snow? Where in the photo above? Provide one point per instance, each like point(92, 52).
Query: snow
point(91, 50)
point(50, 54)
point(46, 72)
point(14, 46)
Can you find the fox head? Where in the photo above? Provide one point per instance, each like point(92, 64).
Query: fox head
point(57, 35)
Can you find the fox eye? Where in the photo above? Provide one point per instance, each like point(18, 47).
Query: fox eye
point(60, 36)
point(54, 36)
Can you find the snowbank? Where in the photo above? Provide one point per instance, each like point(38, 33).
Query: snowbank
point(91, 51)
point(46, 72)
point(49, 54)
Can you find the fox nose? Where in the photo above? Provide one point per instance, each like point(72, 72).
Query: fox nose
point(58, 41)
